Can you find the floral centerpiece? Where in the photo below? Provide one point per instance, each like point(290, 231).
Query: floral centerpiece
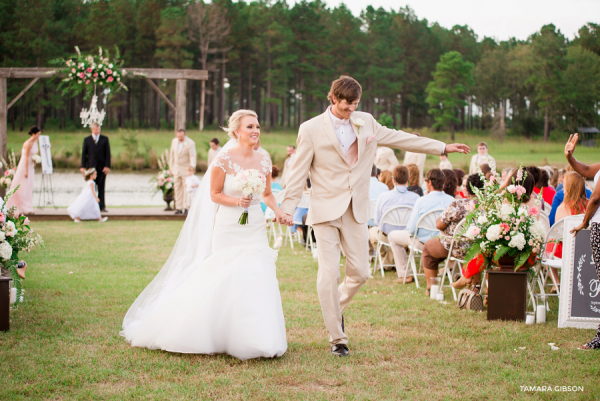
point(84, 72)
point(10, 168)
point(15, 236)
point(249, 182)
point(500, 225)
point(164, 179)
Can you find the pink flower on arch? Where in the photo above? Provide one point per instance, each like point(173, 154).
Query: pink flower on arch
point(89, 69)
point(95, 74)
point(109, 72)
point(81, 75)
point(73, 70)
point(87, 82)
point(110, 79)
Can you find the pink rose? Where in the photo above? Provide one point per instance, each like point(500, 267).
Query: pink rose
point(2, 217)
point(505, 227)
point(507, 237)
point(87, 82)
point(95, 74)
point(73, 70)
point(89, 69)
point(110, 79)
point(534, 211)
point(169, 179)
point(6, 172)
point(109, 72)
point(81, 75)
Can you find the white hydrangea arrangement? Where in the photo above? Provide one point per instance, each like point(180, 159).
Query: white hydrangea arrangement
point(15, 236)
point(164, 179)
point(250, 183)
point(499, 225)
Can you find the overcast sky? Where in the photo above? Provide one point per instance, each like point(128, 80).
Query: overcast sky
point(498, 19)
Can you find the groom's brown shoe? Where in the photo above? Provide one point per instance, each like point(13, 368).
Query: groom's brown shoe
point(340, 350)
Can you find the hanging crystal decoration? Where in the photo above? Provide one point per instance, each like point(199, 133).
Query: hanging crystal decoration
point(92, 115)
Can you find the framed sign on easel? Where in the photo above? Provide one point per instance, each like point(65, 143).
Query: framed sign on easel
point(46, 193)
point(579, 284)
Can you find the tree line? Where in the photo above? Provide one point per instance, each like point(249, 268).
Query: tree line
point(280, 60)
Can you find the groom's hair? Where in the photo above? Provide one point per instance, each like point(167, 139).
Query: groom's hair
point(345, 88)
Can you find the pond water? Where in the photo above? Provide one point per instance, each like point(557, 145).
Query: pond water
point(122, 189)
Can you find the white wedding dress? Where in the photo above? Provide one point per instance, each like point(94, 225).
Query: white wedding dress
point(227, 302)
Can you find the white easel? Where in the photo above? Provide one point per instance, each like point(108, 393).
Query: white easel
point(46, 193)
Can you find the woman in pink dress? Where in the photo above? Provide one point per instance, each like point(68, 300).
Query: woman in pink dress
point(23, 198)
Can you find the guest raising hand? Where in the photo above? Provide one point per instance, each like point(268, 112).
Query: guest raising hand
point(592, 214)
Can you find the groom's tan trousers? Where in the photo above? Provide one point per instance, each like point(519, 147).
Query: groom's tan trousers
point(354, 238)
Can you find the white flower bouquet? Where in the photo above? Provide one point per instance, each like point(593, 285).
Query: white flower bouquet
point(249, 182)
point(15, 236)
point(37, 159)
point(164, 179)
point(500, 226)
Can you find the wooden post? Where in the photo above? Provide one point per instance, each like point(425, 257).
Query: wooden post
point(180, 104)
point(3, 110)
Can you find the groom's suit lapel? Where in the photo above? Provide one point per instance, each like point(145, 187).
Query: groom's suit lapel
point(329, 130)
point(361, 142)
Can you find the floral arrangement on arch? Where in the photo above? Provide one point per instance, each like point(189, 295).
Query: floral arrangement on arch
point(15, 236)
point(84, 72)
point(10, 168)
point(499, 225)
point(164, 179)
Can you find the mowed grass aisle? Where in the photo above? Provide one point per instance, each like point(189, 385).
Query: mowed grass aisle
point(65, 343)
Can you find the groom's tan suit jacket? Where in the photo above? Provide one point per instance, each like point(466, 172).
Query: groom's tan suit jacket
point(334, 182)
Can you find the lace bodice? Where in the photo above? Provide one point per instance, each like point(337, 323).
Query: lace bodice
point(230, 167)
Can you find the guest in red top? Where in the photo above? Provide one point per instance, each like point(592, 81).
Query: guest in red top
point(543, 185)
point(460, 177)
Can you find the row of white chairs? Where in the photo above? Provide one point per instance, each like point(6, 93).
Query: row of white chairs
point(275, 230)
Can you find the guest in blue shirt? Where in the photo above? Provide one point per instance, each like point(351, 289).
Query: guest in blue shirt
point(376, 188)
point(275, 186)
point(399, 239)
point(399, 196)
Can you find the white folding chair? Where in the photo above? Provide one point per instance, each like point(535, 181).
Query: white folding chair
point(545, 220)
point(279, 198)
point(270, 217)
point(547, 208)
point(549, 259)
point(426, 222)
point(396, 216)
point(457, 263)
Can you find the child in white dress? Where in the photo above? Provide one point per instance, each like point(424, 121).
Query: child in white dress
point(192, 183)
point(86, 206)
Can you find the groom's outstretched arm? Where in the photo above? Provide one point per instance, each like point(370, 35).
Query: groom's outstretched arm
point(413, 143)
point(297, 177)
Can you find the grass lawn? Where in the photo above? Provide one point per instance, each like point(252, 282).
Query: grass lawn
point(64, 341)
point(66, 146)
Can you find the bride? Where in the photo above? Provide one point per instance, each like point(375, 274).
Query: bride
point(218, 292)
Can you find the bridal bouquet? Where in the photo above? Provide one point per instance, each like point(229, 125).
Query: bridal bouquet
point(499, 225)
point(10, 168)
point(249, 182)
point(15, 236)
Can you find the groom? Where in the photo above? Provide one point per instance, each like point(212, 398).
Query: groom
point(337, 148)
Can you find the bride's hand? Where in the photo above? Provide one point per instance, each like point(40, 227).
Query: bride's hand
point(245, 201)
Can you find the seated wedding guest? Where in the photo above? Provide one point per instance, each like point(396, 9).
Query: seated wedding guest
point(192, 183)
point(436, 249)
point(416, 158)
point(555, 177)
point(444, 162)
point(399, 196)
point(575, 202)
point(460, 175)
point(561, 177)
point(482, 157)
point(376, 188)
point(450, 183)
point(504, 176)
point(385, 159)
point(399, 239)
point(559, 196)
point(413, 179)
point(288, 164)
point(86, 206)
point(214, 149)
point(386, 178)
point(543, 186)
point(486, 170)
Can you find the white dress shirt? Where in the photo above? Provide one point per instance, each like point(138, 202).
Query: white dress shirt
point(96, 137)
point(179, 146)
point(344, 133)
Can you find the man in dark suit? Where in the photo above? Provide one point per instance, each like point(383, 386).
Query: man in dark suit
point(96, 153)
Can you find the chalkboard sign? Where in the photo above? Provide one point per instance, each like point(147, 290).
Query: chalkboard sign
point(580, 287)
point(45, 146)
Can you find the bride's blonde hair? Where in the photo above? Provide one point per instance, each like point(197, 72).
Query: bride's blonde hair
point(235, 120)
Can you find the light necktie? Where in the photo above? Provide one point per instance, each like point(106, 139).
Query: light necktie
point(339, 123)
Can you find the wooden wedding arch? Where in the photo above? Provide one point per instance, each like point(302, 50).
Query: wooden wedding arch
point(181, 77)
